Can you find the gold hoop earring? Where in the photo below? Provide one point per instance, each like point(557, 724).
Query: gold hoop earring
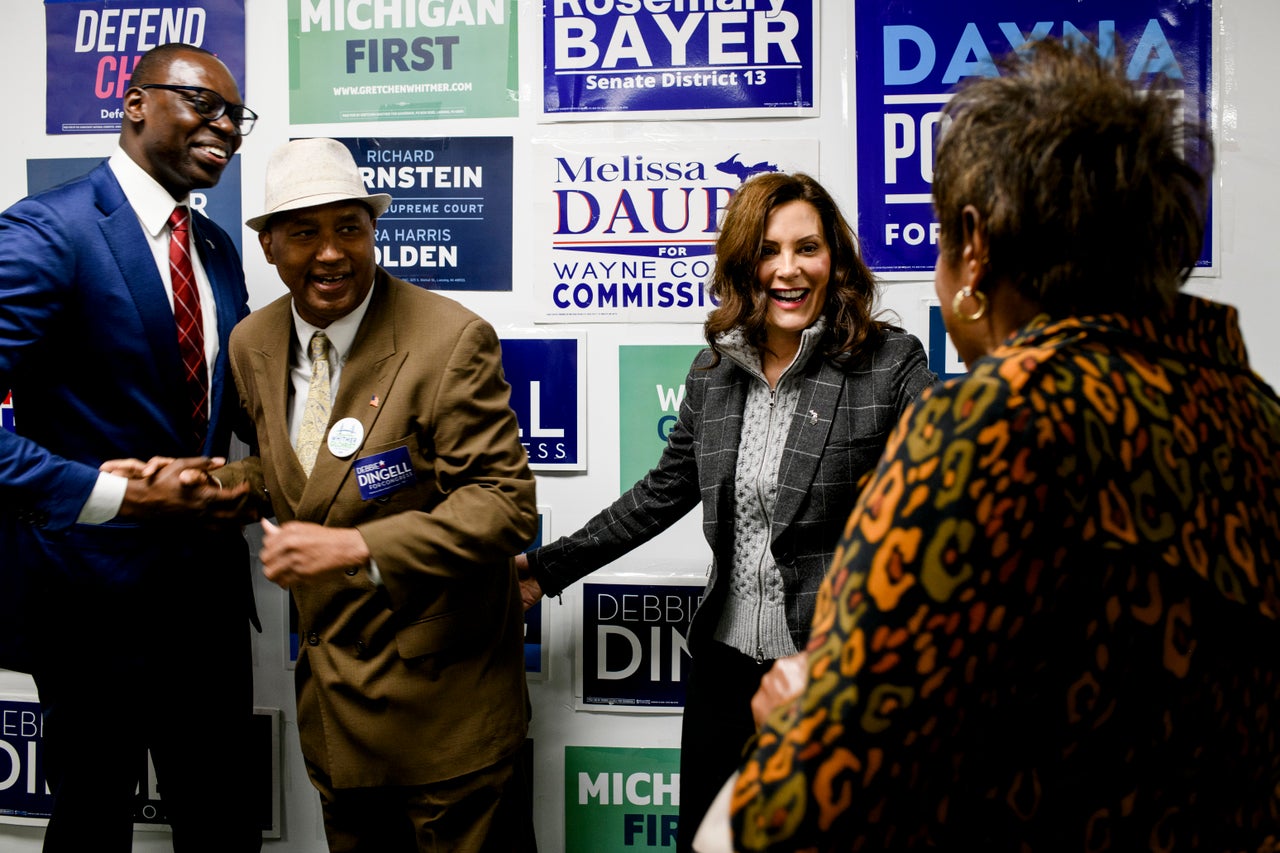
point(958, 302)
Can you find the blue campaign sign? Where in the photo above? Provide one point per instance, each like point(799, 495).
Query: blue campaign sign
point(943, 358)
point(449, 224)
point(548, 395)
point(679, 58)
point(93, 46)
point(22, 780)
point(534, 642)
point(634, 653)
point(912, 53)
point(25, 798)
point(220, 203)
point(535, 638)
point(47, 174)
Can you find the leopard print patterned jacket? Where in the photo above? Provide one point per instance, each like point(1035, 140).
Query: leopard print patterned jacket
point(1052, 622)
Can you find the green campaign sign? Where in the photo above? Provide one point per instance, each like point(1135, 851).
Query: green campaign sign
point(620, 799)
point(401, 59)
point(651, 388)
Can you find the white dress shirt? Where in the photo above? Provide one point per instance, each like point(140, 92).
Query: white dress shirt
point(341, 334)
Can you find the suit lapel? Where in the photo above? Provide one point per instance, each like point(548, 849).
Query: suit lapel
point(810, 428)
point(369, 372)
point(132, 255)
point(222, 278)
point(269, 360)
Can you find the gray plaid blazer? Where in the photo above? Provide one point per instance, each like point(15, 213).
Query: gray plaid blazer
point(839, 427)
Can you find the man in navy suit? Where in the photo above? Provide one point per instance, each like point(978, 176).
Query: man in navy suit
point(122, 597)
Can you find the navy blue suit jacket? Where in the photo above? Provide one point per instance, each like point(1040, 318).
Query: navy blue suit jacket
point(89, 349)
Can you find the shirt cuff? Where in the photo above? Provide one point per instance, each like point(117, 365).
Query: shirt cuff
point(105, 500)
point(374, 574)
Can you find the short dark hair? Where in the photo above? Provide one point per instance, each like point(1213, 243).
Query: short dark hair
point(1093, 195)
point(851, 291)
point(153, 67)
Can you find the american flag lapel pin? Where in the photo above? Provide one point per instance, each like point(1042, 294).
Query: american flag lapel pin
point(374, 401)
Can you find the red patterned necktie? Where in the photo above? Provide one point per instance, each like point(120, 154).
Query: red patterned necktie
point(186, 312)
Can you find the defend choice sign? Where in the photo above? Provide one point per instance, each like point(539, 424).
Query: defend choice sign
point(679, 58)
point(357, 60)
point(634, 645)
point(92, 48)
point(620, 799)
point(632, 225)
point(911, 53)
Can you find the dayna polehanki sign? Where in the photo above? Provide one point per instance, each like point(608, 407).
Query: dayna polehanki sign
point(93, 46)
point(912, 53)
point(670, 59)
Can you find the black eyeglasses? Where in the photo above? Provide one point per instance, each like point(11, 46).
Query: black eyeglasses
point(211, 106)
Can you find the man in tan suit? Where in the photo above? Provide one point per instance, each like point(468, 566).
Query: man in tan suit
point(391, 460)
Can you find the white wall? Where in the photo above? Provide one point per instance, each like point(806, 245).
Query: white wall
point(1248, 182)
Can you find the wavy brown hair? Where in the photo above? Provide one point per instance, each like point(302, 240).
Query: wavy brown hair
point(851, 291)
point(1093, 194)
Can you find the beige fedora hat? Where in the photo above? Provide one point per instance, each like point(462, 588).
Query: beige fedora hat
point(310, 172)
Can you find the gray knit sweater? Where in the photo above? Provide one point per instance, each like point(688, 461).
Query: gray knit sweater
point(754, 619)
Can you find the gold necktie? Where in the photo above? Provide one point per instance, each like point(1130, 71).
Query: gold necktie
point(315, 417)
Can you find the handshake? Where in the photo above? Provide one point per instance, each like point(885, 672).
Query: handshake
point(165, 486)
point(293, 553)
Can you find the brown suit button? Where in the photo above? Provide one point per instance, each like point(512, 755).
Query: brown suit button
point(351, 572)
point(313, 639)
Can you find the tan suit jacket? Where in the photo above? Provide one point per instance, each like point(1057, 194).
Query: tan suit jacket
point(419, 679)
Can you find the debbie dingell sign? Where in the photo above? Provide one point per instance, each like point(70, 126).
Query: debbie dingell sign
point(633, 650)
point(632, 226)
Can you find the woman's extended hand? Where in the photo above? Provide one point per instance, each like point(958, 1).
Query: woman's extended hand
point(530, 589)
point(784, 681)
